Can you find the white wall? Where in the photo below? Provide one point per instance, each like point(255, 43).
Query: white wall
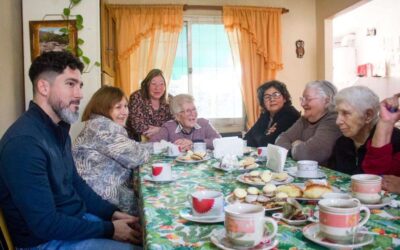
point(90, 10)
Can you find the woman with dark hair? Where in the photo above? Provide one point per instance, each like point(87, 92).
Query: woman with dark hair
point(103, 153)
point(277, 116)
point(148, 107)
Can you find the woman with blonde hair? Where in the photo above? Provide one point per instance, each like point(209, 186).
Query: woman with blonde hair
point(103, 153)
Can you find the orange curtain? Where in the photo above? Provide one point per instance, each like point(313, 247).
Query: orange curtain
point(255, 39)
point(146, 38)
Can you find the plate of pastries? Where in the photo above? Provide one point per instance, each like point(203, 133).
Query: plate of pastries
point(265, 196)
point(262, 177)
point(244, 164)
point(193, 157)
point(310, 190)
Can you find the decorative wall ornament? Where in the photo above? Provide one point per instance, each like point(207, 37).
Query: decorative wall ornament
point(300, 48)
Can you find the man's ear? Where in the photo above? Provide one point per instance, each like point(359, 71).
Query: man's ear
point(369, 115)
point(43, 87)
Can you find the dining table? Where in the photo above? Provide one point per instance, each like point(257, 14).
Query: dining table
point(162, 202)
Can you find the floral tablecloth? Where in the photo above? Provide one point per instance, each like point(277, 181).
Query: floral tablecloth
point(164, 229)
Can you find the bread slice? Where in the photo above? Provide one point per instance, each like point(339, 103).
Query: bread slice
point(198, 156)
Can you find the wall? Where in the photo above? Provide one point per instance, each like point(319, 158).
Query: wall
point(325, 10)
point(90, 10)
point(11, 67)
point(299, 23)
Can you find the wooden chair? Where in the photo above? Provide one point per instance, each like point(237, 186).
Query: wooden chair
point(5, 238)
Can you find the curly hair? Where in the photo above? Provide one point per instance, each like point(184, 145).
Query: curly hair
point(280, 86)
point(53, 62)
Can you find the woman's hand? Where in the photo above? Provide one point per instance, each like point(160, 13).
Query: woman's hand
point(184, 144)
point(391, 183)
point(389, 110)
point(151, 131)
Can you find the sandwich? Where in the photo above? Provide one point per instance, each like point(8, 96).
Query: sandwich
point(315, 191)
point(198, 156)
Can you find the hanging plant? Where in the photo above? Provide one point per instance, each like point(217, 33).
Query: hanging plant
point(79, 26)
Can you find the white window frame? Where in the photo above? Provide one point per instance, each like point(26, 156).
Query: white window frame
point(223, 125)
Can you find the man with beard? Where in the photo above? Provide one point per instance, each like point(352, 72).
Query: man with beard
point(46, 203)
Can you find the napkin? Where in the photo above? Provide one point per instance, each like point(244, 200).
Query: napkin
point(228, 146)
point(276, 157)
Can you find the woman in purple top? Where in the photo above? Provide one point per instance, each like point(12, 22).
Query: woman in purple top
point(186, 128)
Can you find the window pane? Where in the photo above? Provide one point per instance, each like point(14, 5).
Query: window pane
point(215, 85)
point(179, 80)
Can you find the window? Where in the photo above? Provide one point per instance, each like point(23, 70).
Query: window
point(204, 68)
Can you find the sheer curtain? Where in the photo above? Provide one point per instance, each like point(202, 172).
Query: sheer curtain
point(146, 38)
point(255, 38)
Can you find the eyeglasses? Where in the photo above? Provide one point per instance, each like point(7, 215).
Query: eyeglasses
point(307, 99)
point(188, 111)
point(274, 95)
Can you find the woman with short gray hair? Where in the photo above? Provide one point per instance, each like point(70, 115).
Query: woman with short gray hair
point(186, 128)
point(358, 110)
point(313, 135)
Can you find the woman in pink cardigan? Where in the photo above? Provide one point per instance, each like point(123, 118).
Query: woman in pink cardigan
point(186, 128)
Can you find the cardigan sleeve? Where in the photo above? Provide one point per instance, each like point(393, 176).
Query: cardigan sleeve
point(292, 134)
point(381, 160)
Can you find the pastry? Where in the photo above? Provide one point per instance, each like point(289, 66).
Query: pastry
point(252, 190)
point(291, 190)
point(254, 173)
point(269, 189)
point(247, 161)
point(315, 191)
point(198, 156)
point(251, 198)
point(266, 176)
point(281, 195)
point(280, 176)
point(240, 193)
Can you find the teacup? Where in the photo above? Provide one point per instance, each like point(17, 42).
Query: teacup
point(336, 196)
point(161, 171)
point(173, 150)
point(366, 188)
point(246, 225)
point(307, 168)
point(262, 152)
point(339, 219)
point(199, 147)
point(206, 203)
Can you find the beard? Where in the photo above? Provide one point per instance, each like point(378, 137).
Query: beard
point(63, 111)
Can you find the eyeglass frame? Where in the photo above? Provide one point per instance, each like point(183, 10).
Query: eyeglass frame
point(303, 99)
point(188, 111)
point(274, 96)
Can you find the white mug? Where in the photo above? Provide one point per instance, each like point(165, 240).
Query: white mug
point(173, 150)
point(307, 168)
point(245, 225)
point(161, 171)
point(339, 219)
point(206, 203)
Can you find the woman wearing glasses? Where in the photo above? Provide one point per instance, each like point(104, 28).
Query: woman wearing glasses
point(186, 128)
point(278, 114)
point(313, 136)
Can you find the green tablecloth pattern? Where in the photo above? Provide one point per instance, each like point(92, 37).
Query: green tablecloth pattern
point(165, 229)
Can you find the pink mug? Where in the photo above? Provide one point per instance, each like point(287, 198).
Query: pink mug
point(366, 188)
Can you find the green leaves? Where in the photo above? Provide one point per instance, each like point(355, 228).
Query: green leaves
point(67, 12)
point(80, 41)
point(75, 2)
point(85, 59)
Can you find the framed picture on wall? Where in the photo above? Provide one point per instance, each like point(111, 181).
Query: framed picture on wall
point(52, 36)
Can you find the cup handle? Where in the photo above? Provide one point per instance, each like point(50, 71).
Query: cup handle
point(367, 214)
point(274, 225)
point(356, 200)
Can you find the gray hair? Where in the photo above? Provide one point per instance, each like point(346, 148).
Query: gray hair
point(361, 99)
point(177, 101)
point(325, 89)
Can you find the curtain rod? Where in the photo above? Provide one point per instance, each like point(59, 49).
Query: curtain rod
point(214, 7)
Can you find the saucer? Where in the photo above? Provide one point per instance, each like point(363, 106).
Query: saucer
point(312, 233)
point(149, 178)
point(293, 172)
point(385, 201)
point(186, 213)
point(219, 239)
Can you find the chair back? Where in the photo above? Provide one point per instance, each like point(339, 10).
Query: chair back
point(5, 238)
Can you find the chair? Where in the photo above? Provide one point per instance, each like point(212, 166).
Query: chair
point(5, 238)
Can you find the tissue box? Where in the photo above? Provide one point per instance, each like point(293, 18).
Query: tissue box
point(276, 157)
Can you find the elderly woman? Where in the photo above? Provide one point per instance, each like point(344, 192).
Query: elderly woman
point(186, 128)
point(313, 136)
point(383, 151)
point(148, 107)
point(357, 109)
point(103, 153)
point(278, 114)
